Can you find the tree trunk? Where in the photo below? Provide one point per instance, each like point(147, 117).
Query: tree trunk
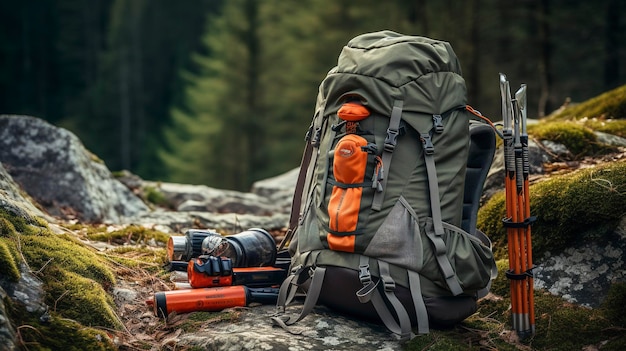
point(545, 48)
point(612, 45)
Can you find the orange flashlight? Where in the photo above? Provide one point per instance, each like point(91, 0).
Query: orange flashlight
point(209, 299)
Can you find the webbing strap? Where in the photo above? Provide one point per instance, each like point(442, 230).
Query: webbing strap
point(305, 173)
point(403, 328)
point(366, 292)
point(436, 238)
point(390, 145)
point(433, 183)
point(288, 289)
point(309, 302)
point(418, 301)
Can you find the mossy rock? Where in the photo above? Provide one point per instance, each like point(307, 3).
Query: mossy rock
point(65, 252)
point(583, 205)
point(75, 279)
point(609, 105)
point(81, 299)
point(579, 139)
point(58, 333)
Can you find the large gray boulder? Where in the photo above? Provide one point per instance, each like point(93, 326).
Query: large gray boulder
point(583, 274)
point(55, 169)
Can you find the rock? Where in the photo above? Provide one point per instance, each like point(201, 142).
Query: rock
point(13, 200)
point(537, 157)
point(610, 139)
point(584, 274)
point(52, 166)
point(7, 332)
point(189, 198)
point(124, 296)
point(55, 169)
point(320, 330)
point(179, 222)
point(28, 291)
point(278, 190)
point(557, 150)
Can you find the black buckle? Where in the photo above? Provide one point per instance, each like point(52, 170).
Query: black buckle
point(315, 141)
point(427, 143)
point(389, 285)
point(364, 274)
point(391, 140)
point(438, 123)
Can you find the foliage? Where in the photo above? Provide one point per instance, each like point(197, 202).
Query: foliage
point(570, 208)
point(124, 70)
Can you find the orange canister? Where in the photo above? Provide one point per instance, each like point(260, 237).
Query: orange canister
point(205, 299)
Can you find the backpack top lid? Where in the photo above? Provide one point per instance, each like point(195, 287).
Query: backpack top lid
point(378, 68)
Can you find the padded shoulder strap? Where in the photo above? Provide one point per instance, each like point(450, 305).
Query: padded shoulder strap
point(436, 238)
point(390, 145)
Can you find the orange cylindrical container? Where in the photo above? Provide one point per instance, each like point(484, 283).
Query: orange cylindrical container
point(190, 300)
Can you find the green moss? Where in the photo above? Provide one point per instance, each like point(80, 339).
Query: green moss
point(612, 126)
point(438, 340)
point(579, 140)
point(611, 104)
point(81, 299)
point(559, 325)
point(563, 326)
point(155, 196)
point(489, 221)
point(65, 252)
point(134, 233)
point(8, 262)
point(75, 279)
point(501, 285)
point(58, 334)
point(10, 223)
point(151, 260)
point(613, 305)
point(580, 206)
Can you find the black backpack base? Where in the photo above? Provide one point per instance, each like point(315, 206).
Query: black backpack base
point(443, 311)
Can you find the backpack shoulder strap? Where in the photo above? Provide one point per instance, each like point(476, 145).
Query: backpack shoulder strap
point(436, 235)
point(390, 145)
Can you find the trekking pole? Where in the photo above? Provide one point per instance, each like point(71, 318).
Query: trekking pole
point(510, 193)
point(519, 275)
point(521, 98)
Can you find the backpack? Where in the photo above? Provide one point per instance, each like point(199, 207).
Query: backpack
point(375, 227)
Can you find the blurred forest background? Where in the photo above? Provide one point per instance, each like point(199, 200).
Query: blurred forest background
point(221, 92)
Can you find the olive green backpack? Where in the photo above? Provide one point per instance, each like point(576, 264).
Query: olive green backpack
point(376, 219)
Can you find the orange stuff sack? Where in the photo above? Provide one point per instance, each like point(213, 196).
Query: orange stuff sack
point(353, 112)
point(350, 162)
